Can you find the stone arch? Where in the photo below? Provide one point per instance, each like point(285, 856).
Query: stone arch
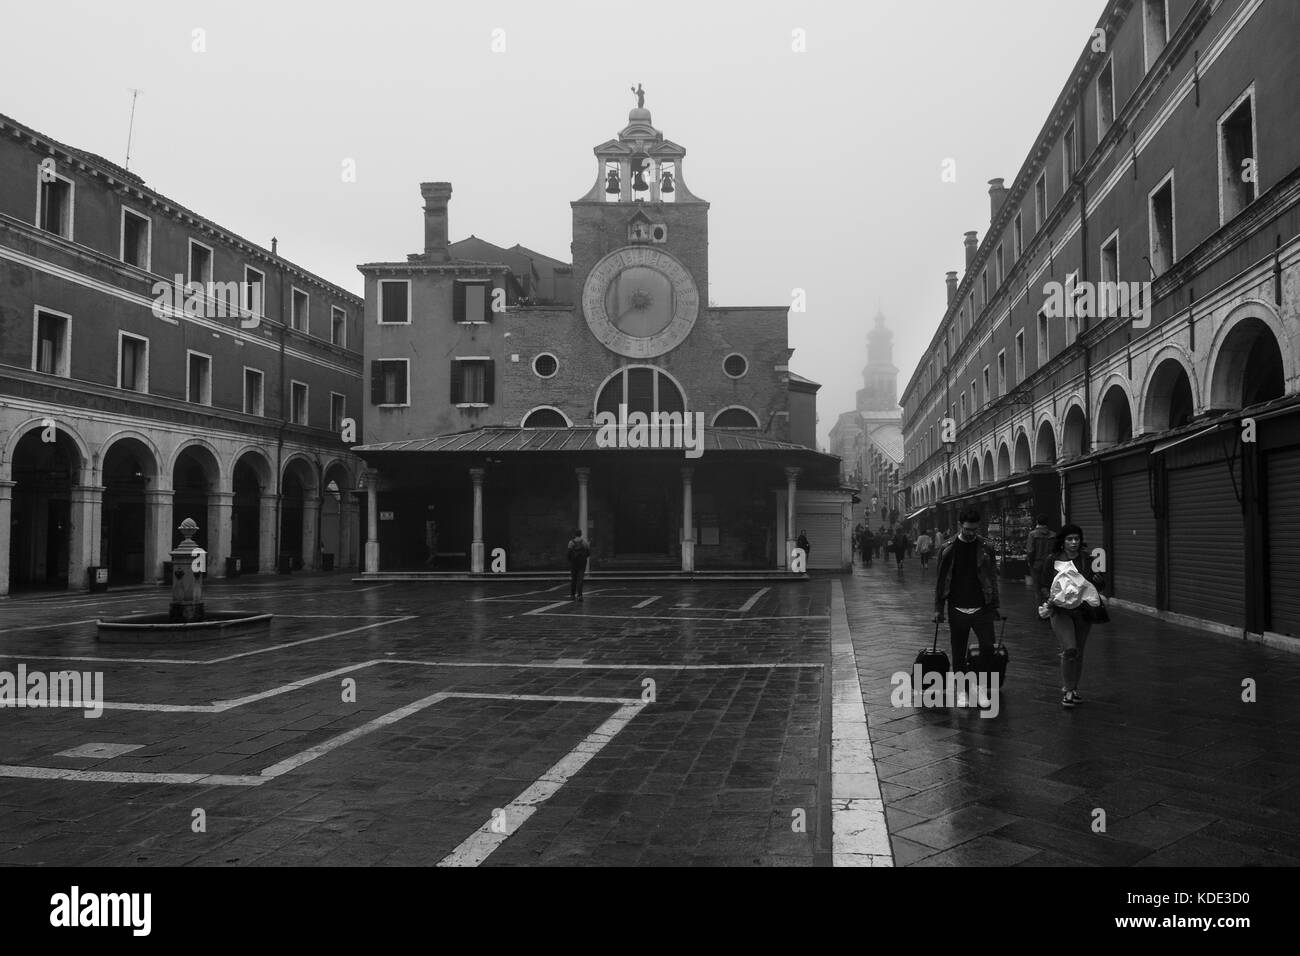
point(975, 476)
point(1074, 433)
point(600, 397)
point(258, 460)
point(212, 459)
point(735, 417)
point(1045, 449)
point(1247, 363)
point(305, 468)
point(986, 468)
point(1170, 394)
point(1113, 423)
point(1004, 461)
point(17, 435)
point(543, 409)
point(1022, 460)
point(965, 478)
point(152, 461)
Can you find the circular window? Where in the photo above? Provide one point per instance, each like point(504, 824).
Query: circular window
point(735, 365)
point(545, 365)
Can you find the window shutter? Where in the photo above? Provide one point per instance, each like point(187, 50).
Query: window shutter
point(456, 378)
point(489, 381)
point(488, 290)
point(403, 396)
point(458, 301)
point(376, 383)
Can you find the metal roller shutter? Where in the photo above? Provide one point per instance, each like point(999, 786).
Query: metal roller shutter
point(1134, 562)
point(1083, 508)
point(1283, 534)
point(1207, 545)
point(824, 544)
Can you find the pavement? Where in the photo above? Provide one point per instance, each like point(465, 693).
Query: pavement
point(661, 723)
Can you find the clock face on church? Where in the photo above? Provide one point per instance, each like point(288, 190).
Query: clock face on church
point(640, 302)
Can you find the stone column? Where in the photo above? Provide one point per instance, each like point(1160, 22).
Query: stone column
point(346, 557)
point(782, 560)
point(220, 524)
point(476, 548)
point(87, 502)
point(6, 515)
point(584, 475)
point(791, 485)
point(688, 527)
point(266, 556)
point(310, 533)
point(157, 533)
point(372, 519)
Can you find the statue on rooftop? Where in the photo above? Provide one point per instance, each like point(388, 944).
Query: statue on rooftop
point(640, 96)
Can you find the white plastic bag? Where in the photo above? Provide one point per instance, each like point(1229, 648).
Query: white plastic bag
point(1071, 589)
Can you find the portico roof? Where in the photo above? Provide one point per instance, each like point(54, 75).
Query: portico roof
point(498, 440)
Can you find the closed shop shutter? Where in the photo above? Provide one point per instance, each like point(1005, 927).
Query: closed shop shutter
point(1283, 535)
point(1207, 545)
point(1133, 564)
point(1084, 508)
point(824, 544)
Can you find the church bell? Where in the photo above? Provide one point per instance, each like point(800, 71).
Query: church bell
point(611, 183)
point(638, 181)
point(666, 183)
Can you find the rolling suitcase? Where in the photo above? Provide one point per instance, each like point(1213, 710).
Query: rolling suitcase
point(931, 658)
point(975, 662)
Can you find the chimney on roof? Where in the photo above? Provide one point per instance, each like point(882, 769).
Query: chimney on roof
point(274, 243)
point(436, 196)
point(972, 244)
point(997, 196)
point(951, 281)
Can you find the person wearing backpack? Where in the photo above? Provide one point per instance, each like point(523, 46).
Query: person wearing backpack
point(1041, 543)
point(579, 550)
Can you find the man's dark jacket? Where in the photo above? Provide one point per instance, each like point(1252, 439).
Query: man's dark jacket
point(986, 569)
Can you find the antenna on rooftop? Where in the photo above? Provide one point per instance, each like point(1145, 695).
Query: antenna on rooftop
point(131, 124)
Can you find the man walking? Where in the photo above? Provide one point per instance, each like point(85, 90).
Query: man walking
point(1041, 543)
point(579, 550)
point(966, 589)
point(924, 545)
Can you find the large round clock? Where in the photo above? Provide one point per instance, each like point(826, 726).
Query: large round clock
point(640, 302)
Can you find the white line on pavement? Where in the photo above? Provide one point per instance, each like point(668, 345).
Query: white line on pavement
point(647, 602)
point(749, 605)
point(859, 834)
point(479, 845)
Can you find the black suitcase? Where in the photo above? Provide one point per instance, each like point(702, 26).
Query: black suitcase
point(975, 661)
point(931, 659)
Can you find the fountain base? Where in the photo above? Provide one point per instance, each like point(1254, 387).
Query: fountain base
point(162, 629)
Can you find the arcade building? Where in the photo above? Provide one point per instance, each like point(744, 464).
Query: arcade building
point(489, 373)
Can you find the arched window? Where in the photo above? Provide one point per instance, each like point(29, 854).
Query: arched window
point(545, 418)
point(641, 389)
point(735, 418)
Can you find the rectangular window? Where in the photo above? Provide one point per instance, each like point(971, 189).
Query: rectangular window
point(970, 321)
point(1044, 343)
point(388, 382)
point(1067, 158)
point(253, 394)
point(50, 352)
point(299, 316)
point(137, 233)
point(338, 410)
point(1155, 29)
point(338, 326)
point(1040, 202)
point(1105, 99)
point(974, 405)
point(1238, 168)
point(1107, 295)
point(999, 268)
point(1017, 239)
point(984, 288)
point(472, 301)
point(394, 301)
point(472, 381)
point(1002, 373)
point(988, 395)
point(198, 378)
point(54, 204)
point(1162, 226)
point(1020, 356)
point(200, 263)
point(254, 291)
point(298, 402)
point(963, 407)
point(132, 362)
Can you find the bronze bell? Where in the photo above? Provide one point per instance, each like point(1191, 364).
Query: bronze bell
point(666, 183)
point(611, 183)
point(638, 181)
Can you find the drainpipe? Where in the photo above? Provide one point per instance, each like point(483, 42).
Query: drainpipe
point(279, 437)
point(1083, 277)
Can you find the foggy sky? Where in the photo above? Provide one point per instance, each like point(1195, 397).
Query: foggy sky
point(822, 167)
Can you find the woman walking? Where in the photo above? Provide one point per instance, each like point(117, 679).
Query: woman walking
point(1069, 590)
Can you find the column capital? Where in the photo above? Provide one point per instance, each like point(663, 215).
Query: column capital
point(583, 472)
point(476, 474)
point(792, 474)
point(223, 497)
point(688, 472)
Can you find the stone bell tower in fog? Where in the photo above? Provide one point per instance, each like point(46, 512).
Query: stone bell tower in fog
point(880, 377)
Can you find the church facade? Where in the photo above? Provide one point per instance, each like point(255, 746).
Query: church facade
point(505, 410)
point(869, 439)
